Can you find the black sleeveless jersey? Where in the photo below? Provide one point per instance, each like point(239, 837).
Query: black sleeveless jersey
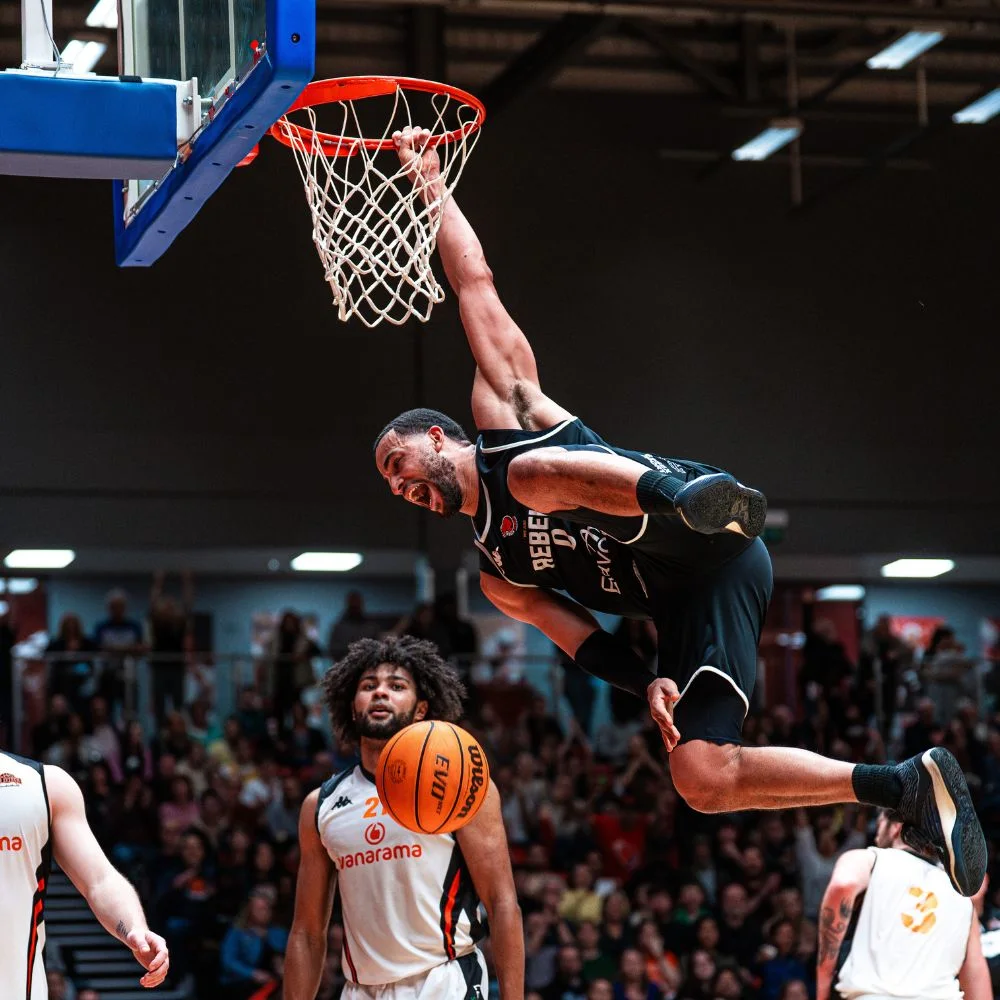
point(605, 562)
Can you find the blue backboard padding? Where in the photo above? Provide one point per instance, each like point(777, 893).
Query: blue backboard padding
point(66, 127)
point(271, 88)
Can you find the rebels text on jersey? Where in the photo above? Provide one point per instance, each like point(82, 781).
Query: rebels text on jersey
point(603, 561)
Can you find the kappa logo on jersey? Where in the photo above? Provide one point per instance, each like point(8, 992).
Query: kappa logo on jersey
point(541, 539)
point(477, 992)
point(341, 802)
point(375, 833)
point(596, 543)
point(9, 780)
point(498, 559)
point(10, 844)
point(508, 526)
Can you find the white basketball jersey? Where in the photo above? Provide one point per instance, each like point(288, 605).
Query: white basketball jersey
point(407, 898)
point(25, 859)
point(911, 933)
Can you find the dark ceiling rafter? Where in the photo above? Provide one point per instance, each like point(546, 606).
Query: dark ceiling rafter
point(938, 121)
point(538, 63)
point(679, 57)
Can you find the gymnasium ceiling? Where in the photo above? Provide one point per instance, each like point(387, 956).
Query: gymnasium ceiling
point(736, 52)
point(873, 320)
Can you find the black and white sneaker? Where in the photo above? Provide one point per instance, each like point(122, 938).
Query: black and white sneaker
point(936, 801)
point(717, 502)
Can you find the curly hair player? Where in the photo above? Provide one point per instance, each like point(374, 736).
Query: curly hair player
point(410, 904)
point(558, 511)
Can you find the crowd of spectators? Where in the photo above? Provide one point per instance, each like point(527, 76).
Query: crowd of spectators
point(626, 893)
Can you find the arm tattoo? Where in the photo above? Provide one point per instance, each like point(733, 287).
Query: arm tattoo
point(121, 930)
point(832, 927)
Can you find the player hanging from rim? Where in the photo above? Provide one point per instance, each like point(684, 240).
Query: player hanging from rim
point(42, 817)
point(409, 900)
point(556, 510)
point(909, 933)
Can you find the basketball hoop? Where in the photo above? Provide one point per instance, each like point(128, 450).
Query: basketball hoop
point(372, 229)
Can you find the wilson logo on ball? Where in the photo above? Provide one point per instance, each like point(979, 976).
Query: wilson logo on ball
point(508, 525)
point(375, 833)
point(477, 782)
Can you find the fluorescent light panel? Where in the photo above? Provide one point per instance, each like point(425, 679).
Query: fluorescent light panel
point(841, 592)
point(905, 49)
point(83, 56)
point(918, 568)
point(773, 138)
point(39, 558)
point(979, 112)
point(326, 562)
point(104, 15)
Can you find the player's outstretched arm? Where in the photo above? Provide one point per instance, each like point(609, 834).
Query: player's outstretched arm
point(850, 878)
point(314, 891)
point(108, 893)
point(506, 391)
point(484, 847)
point(576, 632)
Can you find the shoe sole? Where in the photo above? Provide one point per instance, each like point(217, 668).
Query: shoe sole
point(963, 836)
point(727, 505)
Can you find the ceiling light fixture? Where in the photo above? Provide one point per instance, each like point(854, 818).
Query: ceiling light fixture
point(39, 558)
point(841, 592)
point(918, 568)
point(779, 133)
point(979, 112)
point(904, 50)
point(326, 562)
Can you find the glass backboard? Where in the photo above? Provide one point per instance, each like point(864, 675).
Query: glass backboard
point(243, 63)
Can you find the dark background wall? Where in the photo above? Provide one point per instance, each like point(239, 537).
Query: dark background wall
point(844, 358)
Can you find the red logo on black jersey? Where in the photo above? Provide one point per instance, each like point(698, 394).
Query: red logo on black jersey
point(508, 525)
point(9, 779)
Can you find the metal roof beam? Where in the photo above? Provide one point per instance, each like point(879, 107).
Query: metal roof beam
point(537, 64)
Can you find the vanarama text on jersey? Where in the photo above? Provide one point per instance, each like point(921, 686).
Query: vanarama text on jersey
point(397, 853)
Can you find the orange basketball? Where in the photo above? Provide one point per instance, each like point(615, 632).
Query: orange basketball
point(432, 777)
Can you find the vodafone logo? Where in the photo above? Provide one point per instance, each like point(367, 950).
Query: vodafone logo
point(375, 833)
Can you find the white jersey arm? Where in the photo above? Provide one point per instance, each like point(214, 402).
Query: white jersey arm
point(108, 893)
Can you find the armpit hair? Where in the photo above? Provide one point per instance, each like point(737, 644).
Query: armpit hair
point(521, 402)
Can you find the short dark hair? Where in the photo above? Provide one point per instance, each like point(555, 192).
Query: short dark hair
point(438, 682)
point(421, 420)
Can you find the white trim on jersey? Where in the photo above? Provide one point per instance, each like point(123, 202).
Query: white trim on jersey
point(486, 552)
point(645, 517)
point(642, 531)
point(489, 510)
point(520, 444)
point(725, 677)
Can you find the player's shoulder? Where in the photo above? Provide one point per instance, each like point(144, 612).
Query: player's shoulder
point(333, 784)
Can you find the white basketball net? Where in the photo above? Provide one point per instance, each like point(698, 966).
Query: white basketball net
point(372, 230)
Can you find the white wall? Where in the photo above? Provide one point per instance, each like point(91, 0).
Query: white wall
point(963, 608)
point(232, 602)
